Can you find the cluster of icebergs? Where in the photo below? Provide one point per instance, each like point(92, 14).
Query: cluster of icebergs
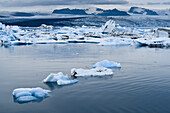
point(24, 95)
point(109, 34)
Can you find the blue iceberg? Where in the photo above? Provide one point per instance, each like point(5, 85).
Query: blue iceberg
point(60, 79)
point(25, 95)
point(107, 64)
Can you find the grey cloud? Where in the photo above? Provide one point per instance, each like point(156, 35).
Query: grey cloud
point(166, 3)
point(158, 3)
point(22, 3)
point(153, 3)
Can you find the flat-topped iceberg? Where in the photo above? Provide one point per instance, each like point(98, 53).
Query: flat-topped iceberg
point(154, 42)
point(107, 64)
point(113, 41)
point(60, 79)
point(24, 95)
point(99, 71)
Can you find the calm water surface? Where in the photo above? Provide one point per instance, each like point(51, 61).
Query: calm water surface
point(142, 85)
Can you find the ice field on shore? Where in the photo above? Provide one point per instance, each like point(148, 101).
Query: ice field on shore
point(110, 34)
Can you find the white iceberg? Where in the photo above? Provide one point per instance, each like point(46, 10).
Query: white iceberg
point(107, 64)
point(99, 71)
point(60, 79)
point(113, 41)
point(22, 95)
point(153, 42)
point(43, 26)
point(109, 26)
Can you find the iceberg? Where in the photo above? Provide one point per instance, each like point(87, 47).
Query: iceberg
point(154, 42)
point(99, 71)
point(43, 26)
point(60, 79)
point(116, 42)
point(108, 27)
point(107, 64)
point(24, 95)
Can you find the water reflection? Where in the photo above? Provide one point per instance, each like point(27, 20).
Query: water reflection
point(53, 85)
point(142, 81)
point(96, 77)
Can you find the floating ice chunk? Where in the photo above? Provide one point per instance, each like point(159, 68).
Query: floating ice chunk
point(25, 99)
point(109, 26)
point(54, 77)
point(166, 43)
point(107, 64)
point(60, 79)
point(163, 34)
point(3, 33)
point(116, 42)
point(99, 71)
point(21, 90)
point(153, 42)
point(43, 26)
point(22, 95)
point(39, 92)
point(66, 82)
point(15, 29)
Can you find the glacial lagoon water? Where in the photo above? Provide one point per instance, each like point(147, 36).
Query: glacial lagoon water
point(142, 85)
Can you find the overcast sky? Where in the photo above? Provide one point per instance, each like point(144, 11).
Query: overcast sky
point(49, 5)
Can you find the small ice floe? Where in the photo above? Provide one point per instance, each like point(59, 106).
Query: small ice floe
point(116, 42)
point(99, 71)
point(94, 41)
point(154, 42)
point(166, 43)
point(60, 79)
point(20, 42)
point(25, 95)
point(43, 26)
point(107, 64)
